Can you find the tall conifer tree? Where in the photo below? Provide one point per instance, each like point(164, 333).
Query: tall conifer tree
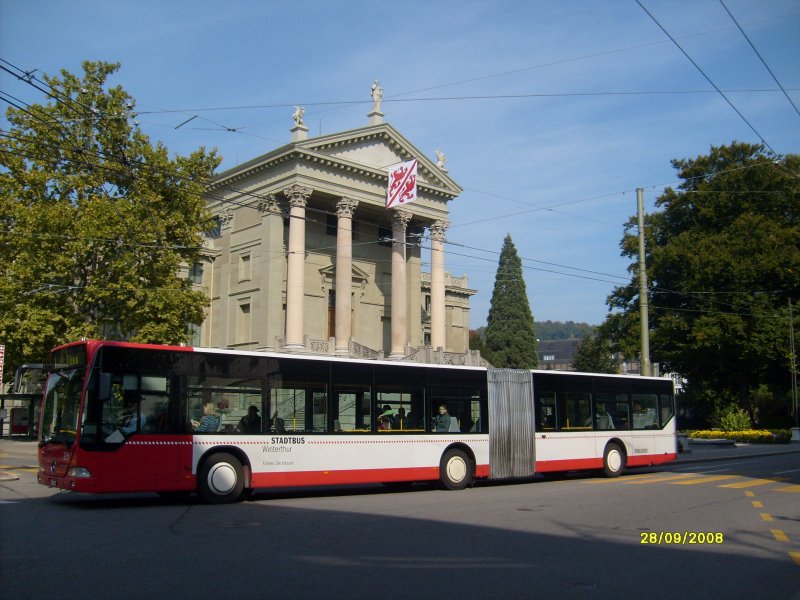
point(510, 332)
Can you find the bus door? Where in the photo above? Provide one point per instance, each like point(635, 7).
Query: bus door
point(131, 430)
point(512, 421)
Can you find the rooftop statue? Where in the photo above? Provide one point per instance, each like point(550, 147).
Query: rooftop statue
point(299, 111)
point(377, 96)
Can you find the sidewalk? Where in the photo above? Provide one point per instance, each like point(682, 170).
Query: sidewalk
point(15, 455)
point(705, 450)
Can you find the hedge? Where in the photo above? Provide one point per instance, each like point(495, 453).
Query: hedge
point(750, 436)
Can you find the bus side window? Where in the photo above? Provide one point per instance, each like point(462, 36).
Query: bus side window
point(303, 409)
point(574, 410)
point(351, 408)
point(547, 411)
point(612, 410)
point(463, 406)
point(229, 399)
point(666, 404)
point(645, 411)
point(398, 409)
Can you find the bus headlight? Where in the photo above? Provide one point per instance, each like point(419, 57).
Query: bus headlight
point(80, 472)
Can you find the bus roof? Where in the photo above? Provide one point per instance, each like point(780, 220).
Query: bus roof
point(320, 357)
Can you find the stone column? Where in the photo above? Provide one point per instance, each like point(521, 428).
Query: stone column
point(344, 272)
point(438, 333)
point(273, 271)
point(295, 264)
point(414, 286)
point(400, 219)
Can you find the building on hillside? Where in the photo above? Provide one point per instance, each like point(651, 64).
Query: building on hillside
point(307, 258)
point(557, 355)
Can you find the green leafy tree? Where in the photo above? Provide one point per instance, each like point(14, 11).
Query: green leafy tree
point(95, 222)
point(562, 330)
point(510, 332)
point(723, 257)
point(594, 355)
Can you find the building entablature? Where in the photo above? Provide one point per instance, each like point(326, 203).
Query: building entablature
point(340, 165)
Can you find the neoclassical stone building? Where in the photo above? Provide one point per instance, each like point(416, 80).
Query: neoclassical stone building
point(306, 257)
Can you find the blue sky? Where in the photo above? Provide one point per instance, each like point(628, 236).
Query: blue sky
point(551, 113)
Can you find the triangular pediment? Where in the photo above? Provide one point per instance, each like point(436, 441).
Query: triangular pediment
point(379, 147)
point(359, 275)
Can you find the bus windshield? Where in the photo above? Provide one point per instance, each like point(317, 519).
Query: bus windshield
point(61, 406)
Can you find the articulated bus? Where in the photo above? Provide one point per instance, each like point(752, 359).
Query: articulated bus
point(122, 417)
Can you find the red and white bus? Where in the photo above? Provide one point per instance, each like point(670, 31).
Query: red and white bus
point(121, 417)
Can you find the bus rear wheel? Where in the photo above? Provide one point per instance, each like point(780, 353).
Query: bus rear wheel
point(221, 479)
point(613, 460)
point(455, 470)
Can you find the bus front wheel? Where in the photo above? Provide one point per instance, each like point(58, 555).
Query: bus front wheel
point(613, 460)
point(455, 470)
point(221, 479)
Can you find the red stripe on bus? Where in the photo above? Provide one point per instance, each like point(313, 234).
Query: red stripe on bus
point(351, 476)
point(578, 464)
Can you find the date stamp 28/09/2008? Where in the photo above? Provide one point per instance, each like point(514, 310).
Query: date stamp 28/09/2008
point(681, 537)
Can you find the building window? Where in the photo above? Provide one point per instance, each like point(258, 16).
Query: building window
point(548, 357)
point(216, 229)
point(244, 267)
point(196, 274)
point(243, 323)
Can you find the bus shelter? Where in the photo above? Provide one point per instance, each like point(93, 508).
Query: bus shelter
point(19, 415)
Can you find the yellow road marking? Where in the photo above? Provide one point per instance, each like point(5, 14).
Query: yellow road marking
point(792, 489)
point(795, 557)
point(625, 479)
point(706, 479)
point(665, 478)
point(779, 535)
point(757, 504)
point(750, 494)
point(753, 482)
point(766, 517)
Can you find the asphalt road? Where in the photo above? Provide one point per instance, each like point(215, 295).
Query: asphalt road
point(579, 537)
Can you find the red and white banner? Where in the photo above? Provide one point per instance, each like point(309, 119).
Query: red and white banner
point(402, 184)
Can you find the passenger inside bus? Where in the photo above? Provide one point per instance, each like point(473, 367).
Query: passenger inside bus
point(386, 419)
point(210, 420)
point(276, 424)
point(251, 422)
point(441, 422)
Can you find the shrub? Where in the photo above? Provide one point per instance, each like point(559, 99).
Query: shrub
point(734, 418)
point(750, 436)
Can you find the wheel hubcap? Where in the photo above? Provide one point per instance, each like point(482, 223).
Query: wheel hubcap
point(222, 478)
point(456, 469)
point(614, 460)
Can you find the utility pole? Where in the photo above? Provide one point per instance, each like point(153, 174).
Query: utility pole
point(644, 369)
point(795, 406)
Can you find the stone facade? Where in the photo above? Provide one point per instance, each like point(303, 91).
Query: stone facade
point(306, 257)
